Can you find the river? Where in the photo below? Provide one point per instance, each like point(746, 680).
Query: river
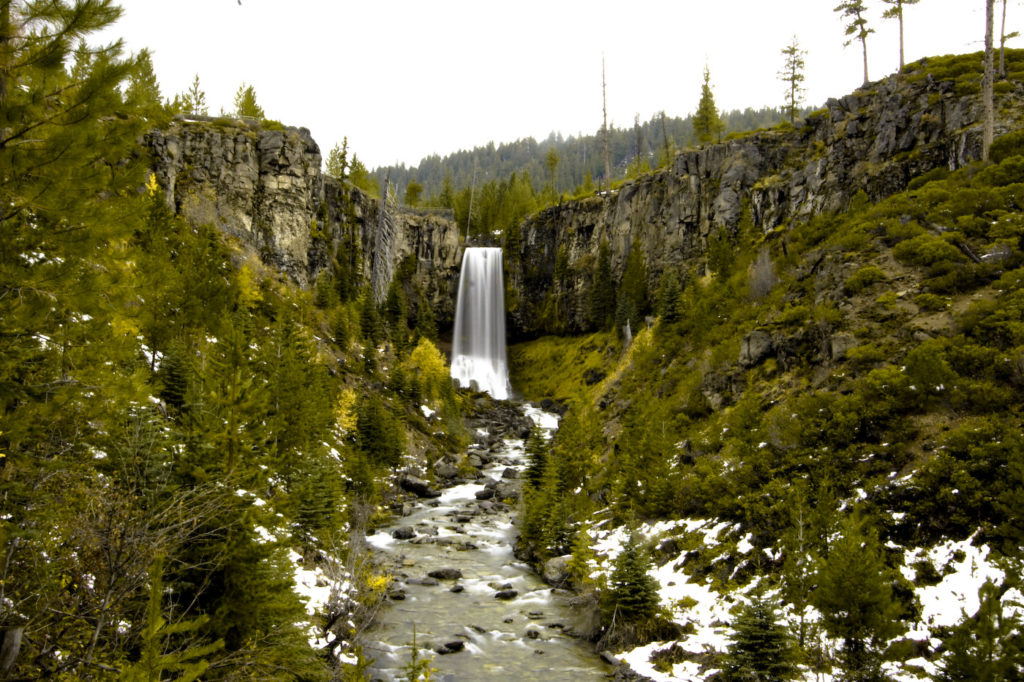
point(498, 619)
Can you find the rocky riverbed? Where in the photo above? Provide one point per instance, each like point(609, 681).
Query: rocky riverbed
point(474, 608)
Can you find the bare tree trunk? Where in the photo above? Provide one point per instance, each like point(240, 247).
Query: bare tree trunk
point(1002, 45)
point(864, 45)
point(900, 16)
point(604, 129)
point(987, 83)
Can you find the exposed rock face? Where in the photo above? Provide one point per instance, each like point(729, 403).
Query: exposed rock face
point(873, 140)
point(265, 187)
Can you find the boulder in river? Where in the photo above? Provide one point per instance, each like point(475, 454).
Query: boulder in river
point(451, 647)
point(417, 486)
point(446, 574)
point(556, 571)
point(403, 533)
point(506, 594)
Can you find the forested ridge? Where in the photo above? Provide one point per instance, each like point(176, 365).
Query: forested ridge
point(814, 430)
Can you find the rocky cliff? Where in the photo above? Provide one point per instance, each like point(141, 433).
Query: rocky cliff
point(265, 188)
point(874, 140)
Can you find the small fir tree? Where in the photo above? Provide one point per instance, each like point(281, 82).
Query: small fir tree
point(245, 103)
point(855, 597)
point(760, 647)
point(707, 123)
point(632, 595)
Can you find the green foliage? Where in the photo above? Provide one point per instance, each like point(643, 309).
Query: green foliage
point(379, 435)
point(792, 74)
point(602, 293)
point(245, 103)
point(337, 161)
point(855, 596)
point(760, 647)
point(864, 278)
point(987, 645)
point(632, 300)
point(707, 124)
point(632, 595)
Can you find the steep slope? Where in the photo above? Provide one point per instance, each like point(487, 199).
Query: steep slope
point(820, 427)
point(873, 140)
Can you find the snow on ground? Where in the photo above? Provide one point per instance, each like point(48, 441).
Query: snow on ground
point(695, 603)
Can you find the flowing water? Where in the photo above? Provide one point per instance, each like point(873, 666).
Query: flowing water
point(525, 637)
point(478, 344)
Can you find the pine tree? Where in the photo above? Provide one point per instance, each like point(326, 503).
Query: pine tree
point(537, 453)
point(602, 293)
point(854, 596)
point(760, 647)
point(707, 124)
point(792, 74)
point(632, 595)
point(195, 99)
point(987, 645)
point(632, 303)
point(245, 103)
point(858, 27)
point(669, 294)
point(68, 162)
point(154, 662)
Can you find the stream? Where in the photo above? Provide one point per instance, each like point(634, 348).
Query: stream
point(487, 615)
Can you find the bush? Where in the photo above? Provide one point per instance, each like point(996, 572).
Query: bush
point(864, 278)
point(926, 249)
point(1005, 146)
point(931, 302)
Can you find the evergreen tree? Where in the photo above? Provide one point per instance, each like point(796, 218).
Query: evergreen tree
point(632, 595)
point(669, 294)
point(602, 293)
point(154, 662)
point(707, 124)
point(760, 647)
point(537, 453)
point(855, 598)
point(792, 74)
point(337, 161)
point(68, 161)
point(195, 99)
point(987, 645)
point(854, 11)
point(632, 301)
point(245, 103)
point(413, 192)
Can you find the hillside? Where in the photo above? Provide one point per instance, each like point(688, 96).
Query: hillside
point(814, 436)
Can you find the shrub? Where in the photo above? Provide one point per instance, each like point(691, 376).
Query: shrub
point(926, 249)
point(863, 278)
point(931, 302)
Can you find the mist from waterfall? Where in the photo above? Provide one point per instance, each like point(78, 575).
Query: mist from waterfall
point(478, 347)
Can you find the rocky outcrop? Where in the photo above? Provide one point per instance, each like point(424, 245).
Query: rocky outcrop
point(266, 189)
point(874, 140)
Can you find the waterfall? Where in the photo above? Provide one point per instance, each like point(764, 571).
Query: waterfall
point(478, 347)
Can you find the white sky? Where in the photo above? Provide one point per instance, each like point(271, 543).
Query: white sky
point(405, 79)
